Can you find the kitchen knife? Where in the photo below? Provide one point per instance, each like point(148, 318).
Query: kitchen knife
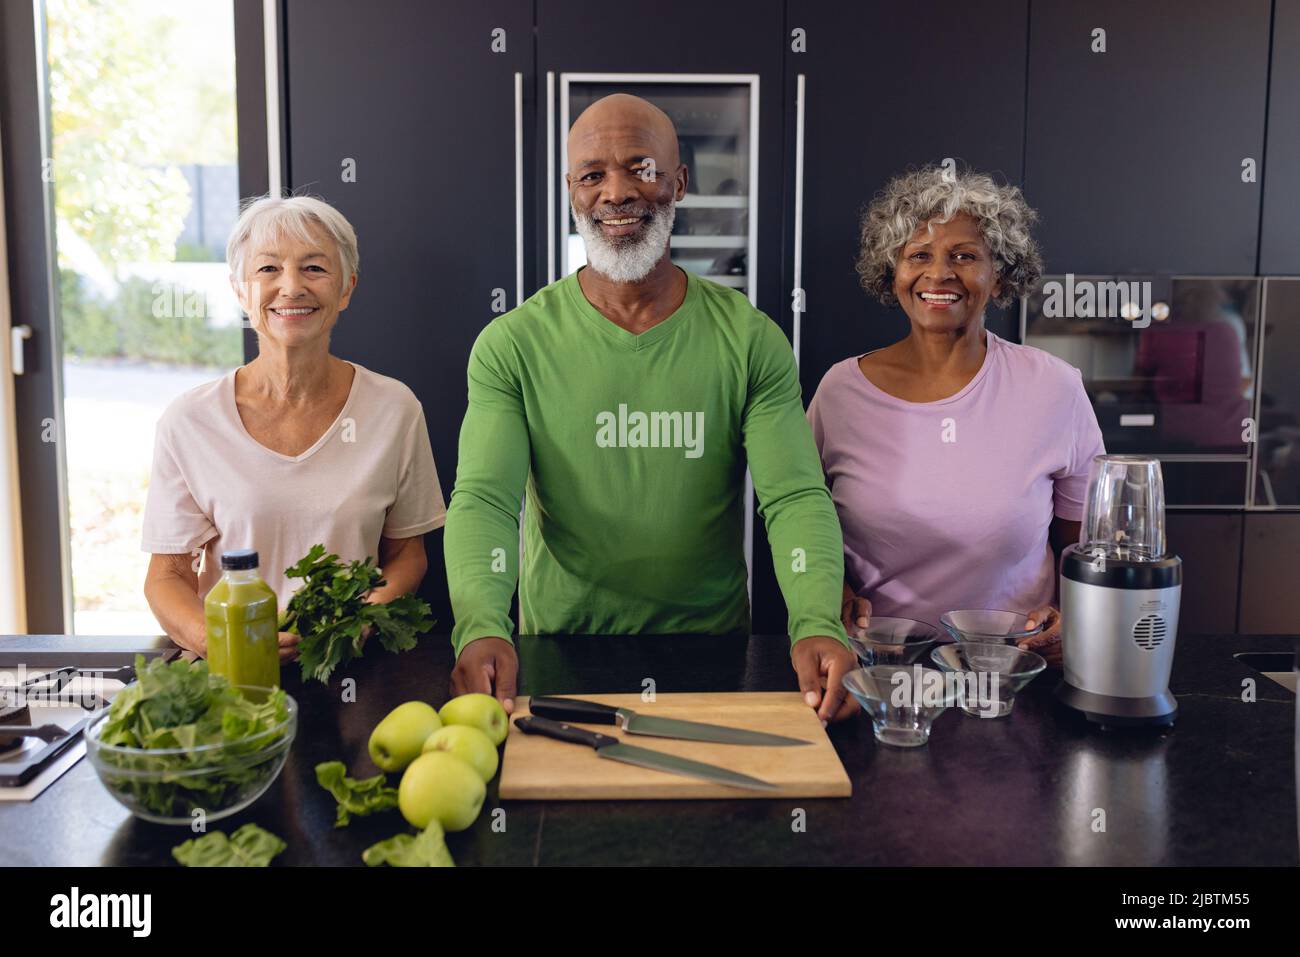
point(608, 747)
point(592, 712)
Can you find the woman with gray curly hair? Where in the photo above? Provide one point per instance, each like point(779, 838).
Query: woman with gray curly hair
point(297, 447)
point(958, 461)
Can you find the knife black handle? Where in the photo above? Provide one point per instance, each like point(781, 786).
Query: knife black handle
point(573, 709)
point(563, 732)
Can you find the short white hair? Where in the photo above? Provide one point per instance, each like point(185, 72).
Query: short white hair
point(265, 218)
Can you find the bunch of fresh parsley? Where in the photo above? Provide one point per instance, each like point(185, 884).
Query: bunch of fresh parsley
point(331, 613)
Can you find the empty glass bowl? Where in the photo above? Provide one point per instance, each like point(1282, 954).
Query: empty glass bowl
point(992, 673)
point(902, 702)
point(893, 641)
point(987, 624)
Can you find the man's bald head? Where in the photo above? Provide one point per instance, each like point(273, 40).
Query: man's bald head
point(625, 179)
point(621, 120)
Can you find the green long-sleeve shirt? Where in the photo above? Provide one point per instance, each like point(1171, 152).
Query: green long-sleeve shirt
point(633, 449)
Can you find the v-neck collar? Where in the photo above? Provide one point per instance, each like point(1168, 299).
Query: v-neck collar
point(617, 333)
point(233, 406)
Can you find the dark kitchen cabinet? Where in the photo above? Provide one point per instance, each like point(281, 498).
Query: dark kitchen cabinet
point(1279, 240)
point(1134, 156)
point(415, 96)
point(1270, 557)
point(885, 90)
point(1210, 547)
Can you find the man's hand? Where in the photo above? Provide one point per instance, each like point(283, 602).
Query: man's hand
point(490, 666)
point(822, 662)
point(1048, 641)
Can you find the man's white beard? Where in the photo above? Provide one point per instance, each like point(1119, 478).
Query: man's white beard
point(627, 262)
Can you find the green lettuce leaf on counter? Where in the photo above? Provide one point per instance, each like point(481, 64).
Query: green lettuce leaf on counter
point(355, 796)
point(330, 613)
point(250, 846)
point(426, 849)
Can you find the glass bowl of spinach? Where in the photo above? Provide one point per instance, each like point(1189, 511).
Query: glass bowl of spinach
point(180, 740)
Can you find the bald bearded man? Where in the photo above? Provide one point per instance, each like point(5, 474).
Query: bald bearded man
point(630, 397)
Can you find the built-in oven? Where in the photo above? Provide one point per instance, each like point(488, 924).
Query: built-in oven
point(1171, 366)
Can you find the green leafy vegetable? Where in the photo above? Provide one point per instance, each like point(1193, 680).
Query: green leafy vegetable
point(360, 797)
point(426, 849)
point(181, 706)
point(331, 614)
point(250, 846)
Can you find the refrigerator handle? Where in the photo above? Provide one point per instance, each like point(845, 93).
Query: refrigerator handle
point(519, 189)
point(550, 177)
point(798, 300)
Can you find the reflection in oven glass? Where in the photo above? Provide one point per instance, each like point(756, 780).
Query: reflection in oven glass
point(1180, 381)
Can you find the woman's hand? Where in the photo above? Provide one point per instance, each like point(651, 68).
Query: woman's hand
point(289, 646)
point(855, 611)
point(1048, 641)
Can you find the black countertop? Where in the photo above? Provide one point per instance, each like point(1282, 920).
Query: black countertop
point(1217, 789)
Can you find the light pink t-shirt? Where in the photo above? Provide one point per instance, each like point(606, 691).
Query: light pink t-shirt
point(946, 505)
point(214, 486)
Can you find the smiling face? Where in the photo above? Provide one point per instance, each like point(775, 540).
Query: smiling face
point(945, 277)
point(293, 288)
point(624, 181)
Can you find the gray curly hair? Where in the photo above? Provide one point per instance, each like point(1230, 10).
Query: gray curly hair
point(933, 194)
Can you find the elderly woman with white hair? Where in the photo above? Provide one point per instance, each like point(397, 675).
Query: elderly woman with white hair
point(958, 461)
point(295, 448)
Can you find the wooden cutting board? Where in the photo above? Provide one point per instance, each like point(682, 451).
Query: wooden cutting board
point(535, 767)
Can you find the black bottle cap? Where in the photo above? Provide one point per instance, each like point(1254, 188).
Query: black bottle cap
point(242, 558)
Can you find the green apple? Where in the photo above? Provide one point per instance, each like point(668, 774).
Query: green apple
point(480, 711)
point(469, 744)
point(396, 741)
point(441, 787)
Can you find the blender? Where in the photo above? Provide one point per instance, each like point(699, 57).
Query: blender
point(1119, 599)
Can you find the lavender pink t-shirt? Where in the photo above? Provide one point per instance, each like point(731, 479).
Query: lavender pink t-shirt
point(946, 505)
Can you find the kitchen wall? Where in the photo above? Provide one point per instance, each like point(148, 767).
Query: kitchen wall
point(1134, 155)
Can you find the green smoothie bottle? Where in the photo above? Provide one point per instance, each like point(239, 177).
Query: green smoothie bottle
point(243, 623)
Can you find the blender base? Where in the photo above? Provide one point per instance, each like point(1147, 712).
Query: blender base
point(1155, 711)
